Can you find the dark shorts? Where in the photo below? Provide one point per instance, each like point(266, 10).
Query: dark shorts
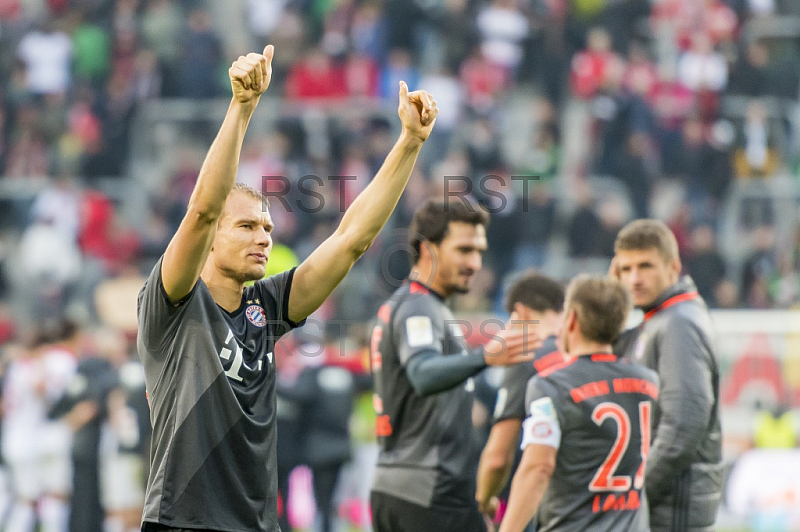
point(390, 514)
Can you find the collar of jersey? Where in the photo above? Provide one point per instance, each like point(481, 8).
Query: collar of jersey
point(683, 286)
point(416, 287)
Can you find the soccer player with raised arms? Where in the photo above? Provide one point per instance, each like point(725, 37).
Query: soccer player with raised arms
point(206, 340)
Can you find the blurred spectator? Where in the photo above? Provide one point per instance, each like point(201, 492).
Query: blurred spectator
point(264, 18)
point(51, 267)
point(36, 449)
point(368, 31)
point(91, 385)
point(162, 27)
point(593, 66)
point(759, 269)
point(449, 95)
point(362, 76)
point(503, 28)
point(751, 74)
point(593, 228)
point(325, 391)
point(756, 155)
point(483, 81)
point(399, 67)
point(534, 236)
point(543, 159)
point(775, 427)
point(28, 149)
point(199, 67)
point(102, 237)
point(316, 77)
point(785, 287)
point(60, 201)
point(705, 264)
point(483, 151)
point(701, 68)
point(91, 52)
point(47, 53)
point(672, 104)
point(640, 75)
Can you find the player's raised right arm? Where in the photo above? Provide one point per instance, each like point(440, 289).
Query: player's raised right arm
point(187, 251)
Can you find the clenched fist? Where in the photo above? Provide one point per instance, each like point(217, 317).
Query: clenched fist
point(417, 112)
point(250, 75)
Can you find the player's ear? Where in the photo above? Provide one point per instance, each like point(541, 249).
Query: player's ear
point(571, 320)
point(675, 267)
point(521, 310)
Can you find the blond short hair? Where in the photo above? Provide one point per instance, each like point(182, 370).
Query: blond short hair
point(601, 306)
point(645, 234)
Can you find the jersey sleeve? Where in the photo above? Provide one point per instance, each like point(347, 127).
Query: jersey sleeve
point(157, 316)
point(277, 289)
point(510, 402)
point(418, 327)
point(542, 426)
point(511, 394)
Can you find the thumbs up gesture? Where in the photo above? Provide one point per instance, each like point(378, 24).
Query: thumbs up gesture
point(250, 75)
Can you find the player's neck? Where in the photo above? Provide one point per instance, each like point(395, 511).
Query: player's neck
point(227, 292)
point(423, 275)
point(582, 347)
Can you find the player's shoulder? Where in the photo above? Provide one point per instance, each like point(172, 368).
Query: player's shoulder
point(414, 298)
point(628, 368)
point(548, 355)
point(558, 369)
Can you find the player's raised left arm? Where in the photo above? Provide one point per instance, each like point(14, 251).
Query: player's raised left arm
point(527, 489)
point(324, 269)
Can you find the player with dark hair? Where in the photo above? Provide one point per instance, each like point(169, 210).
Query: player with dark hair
point(424, 479)
point(587, 435)
point(684, 473)
point(206, 340)
point(537, 302)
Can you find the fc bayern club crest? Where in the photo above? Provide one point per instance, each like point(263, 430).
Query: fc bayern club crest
point(256, 315)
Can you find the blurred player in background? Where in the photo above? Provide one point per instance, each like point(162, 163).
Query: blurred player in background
point(684, 472)
point(425, 476)
point(36, 449)
point(206, 341)
point(537, 301)
point(586, 438)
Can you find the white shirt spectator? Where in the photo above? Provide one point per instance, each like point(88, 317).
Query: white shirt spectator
point(47, 257)
point(61, 203)
point(503, 27)
point(47, 57)
point(703, 71)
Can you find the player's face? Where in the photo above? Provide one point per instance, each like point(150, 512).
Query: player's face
point(646, 274)
point(459, 257)
point(243, 240)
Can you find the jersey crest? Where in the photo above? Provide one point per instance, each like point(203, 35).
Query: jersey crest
point(255, 315)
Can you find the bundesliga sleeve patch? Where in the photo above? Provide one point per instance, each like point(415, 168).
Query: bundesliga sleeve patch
point(419, 331)
point(541, 426)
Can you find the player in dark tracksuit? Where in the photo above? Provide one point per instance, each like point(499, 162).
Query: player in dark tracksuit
point(424, 479)
point(537, 301)
point(587, 434)
point(684, 472)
